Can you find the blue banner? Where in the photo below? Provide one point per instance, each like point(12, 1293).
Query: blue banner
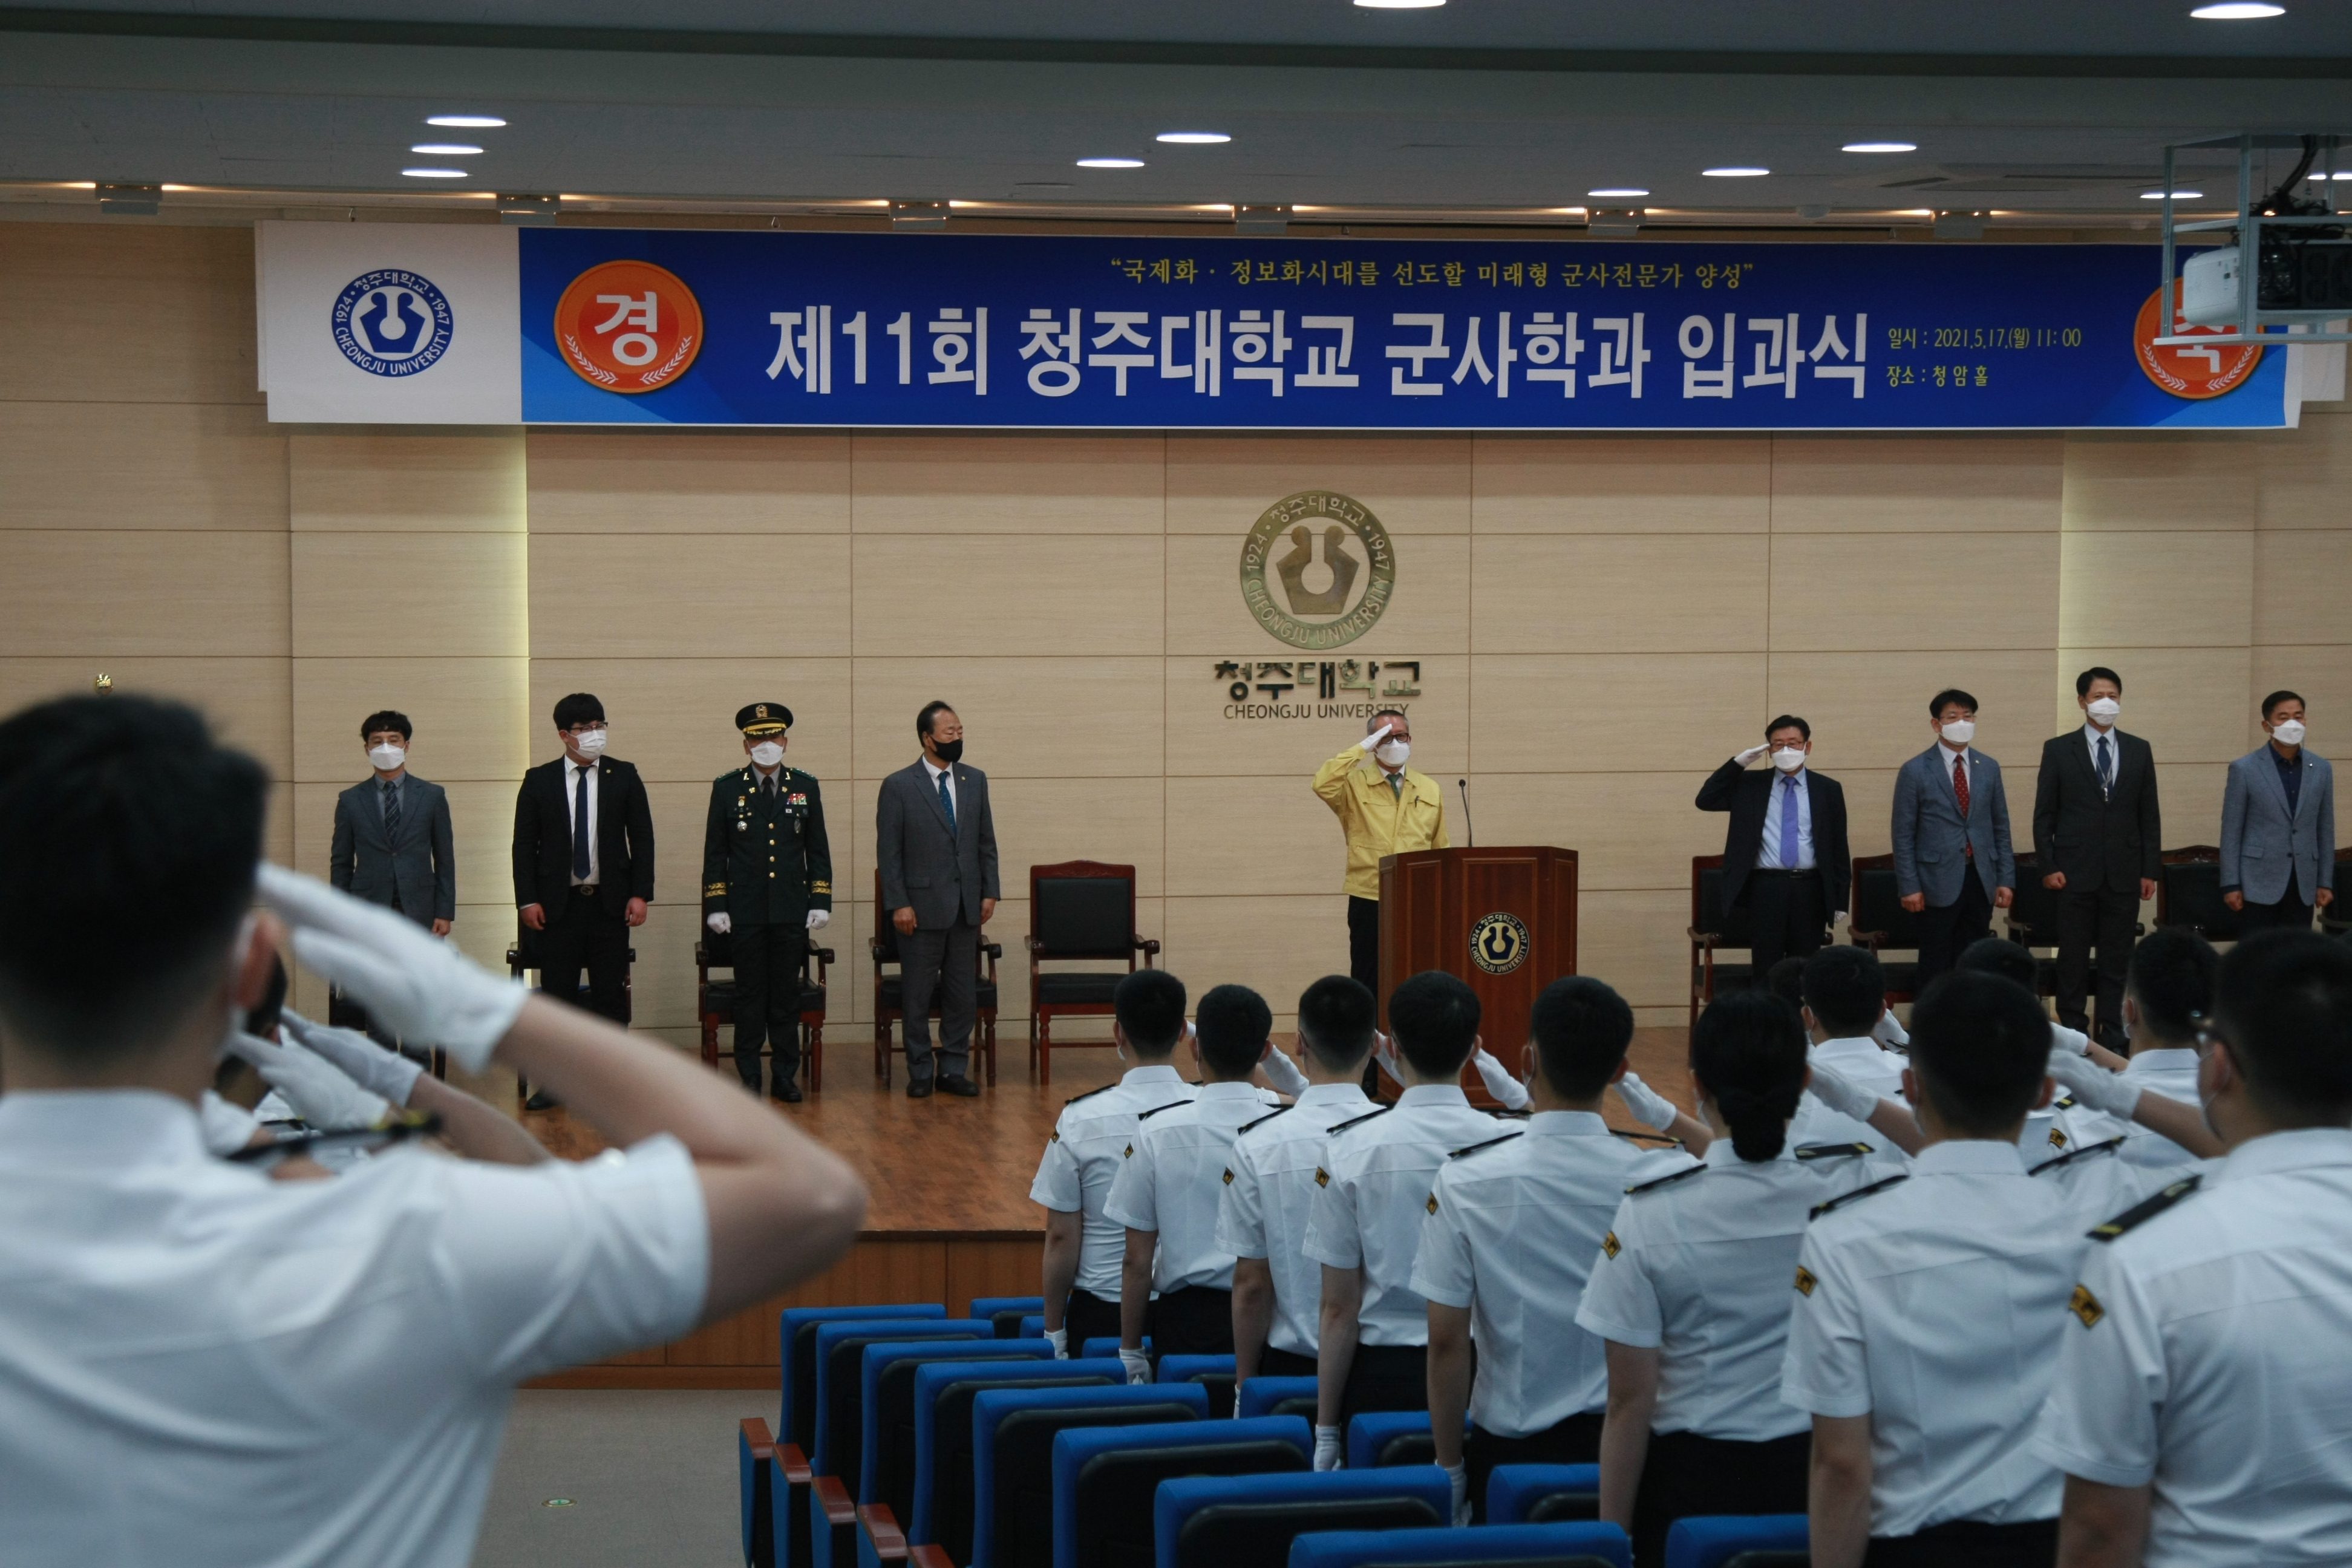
point(704, 327)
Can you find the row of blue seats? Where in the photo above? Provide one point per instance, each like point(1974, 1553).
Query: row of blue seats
point(994, 1454)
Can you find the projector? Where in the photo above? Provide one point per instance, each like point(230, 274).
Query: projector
point(2296, 274)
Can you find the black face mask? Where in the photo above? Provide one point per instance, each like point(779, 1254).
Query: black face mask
point(948, 751)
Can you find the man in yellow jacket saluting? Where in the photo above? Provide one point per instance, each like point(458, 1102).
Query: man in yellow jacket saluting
point(1386, 808)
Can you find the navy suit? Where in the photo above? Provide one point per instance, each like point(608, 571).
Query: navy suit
point(1958, 862)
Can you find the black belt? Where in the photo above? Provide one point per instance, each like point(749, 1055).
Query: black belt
point(1776, 872)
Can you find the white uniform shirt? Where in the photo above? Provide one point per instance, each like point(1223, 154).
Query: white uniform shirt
point(1264, 1211)
point(1171, 1182)
point(1935, 1306)
point(2095, 1185)
point(1088, 1145)
point(1697, 1268)
point(1367, 1214)
point(1863, 1062)
point(572, 774)
point(201, 1366)
point(2210, 1352)
point(2171, 1072)
point(1514, 1235)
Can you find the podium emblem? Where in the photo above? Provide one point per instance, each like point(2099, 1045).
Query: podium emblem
point(1333, 568)
point(1499, 943)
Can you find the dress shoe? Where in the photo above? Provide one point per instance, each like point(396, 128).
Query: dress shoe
point(789, 1093)
point(542, 1100)
point(918, 1089)
point(961, 1087)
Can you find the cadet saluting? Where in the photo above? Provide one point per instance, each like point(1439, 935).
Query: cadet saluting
point(767, 884)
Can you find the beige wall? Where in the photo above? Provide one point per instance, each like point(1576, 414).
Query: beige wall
point(1600, 620)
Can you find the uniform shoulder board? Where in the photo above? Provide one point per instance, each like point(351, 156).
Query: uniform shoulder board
point(2140, 1213)
point(1489, 1143)
point(1499, 1114)
point(1263, 1120)
point(1148, 1115)
point(1679, 1175)
point(2073, 1155)
point(1859, 1193)
point(2065, 1102)
point(1356, 1122)
point(1646, 1137)
point(1833, 1151)
point(1090, 1094)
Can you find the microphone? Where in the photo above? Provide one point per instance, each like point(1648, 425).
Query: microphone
point(1469, 838)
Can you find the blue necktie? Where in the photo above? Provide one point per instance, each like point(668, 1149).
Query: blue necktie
point(2106, 769)
point(1789, 823)
point(946, 802)
point(580, 825)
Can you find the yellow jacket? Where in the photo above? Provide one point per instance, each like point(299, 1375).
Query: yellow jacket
point(1378, 820)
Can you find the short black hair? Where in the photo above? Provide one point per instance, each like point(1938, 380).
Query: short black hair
point(931, 710)
point(1338, 1016)
point(2097, 672)
point(580, 707)
point(1789, 722)
point(1846, 989)
point(1786, 980)
point(1373, 722)
point(1149, 1005)
point(1748, 1052)
point(1582, 1029)
point(1434, 1017)
point(2275, 698)
point(1946, 698)
point(1233, 1022)
point(263, 1015)
point(2172, 976)
point(2284, 1005)
point(1998, 955)
point(86, 835)
point(1980, 1045)
point(385, 718)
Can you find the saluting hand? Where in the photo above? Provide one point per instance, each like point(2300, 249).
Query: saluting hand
point(1750, 755)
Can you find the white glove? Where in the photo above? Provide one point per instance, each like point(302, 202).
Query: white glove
point(225, 1128)
point(1651, 1109)
point(1060, 1340)
point(1459, 1475)
point(1889, 1031)
point(1752, 753)
point(1841, 1094)
point(1375, 738)
point(1283, 1073)
point(817, 920)
point(1137, 1365)
point(318, 1092)
point(720, 922)
point(2075, 1040)
point(1499, 1081)
point(420, 988)
point(361, 1059)
point(2094, 1085)
point(1326, 1447)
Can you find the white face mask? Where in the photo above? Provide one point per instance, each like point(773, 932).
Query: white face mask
point(1788, 759)
point(591, 744)
point(1393, 754)
point(2288, 731)
point(2104, 708)
point(386, 758)
point(1960, 731)
point(767, 753)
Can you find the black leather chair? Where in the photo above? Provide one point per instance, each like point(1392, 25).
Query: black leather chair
point(1880, 923)
point(2189, 894)
point(714, 1005)
point(1078, 911)
point(1714, 928)
point(890, 996)
point(2336, 919)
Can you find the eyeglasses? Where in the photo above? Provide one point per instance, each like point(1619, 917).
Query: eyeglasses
point(358, 1140)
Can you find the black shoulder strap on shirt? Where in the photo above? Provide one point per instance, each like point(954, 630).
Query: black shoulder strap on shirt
point(1855, 1195)
point(1090, 1094)
point(1358, 1121)
point(1263, 1120)
point(1489, 1143)
point(1832, 1151)
point(1645, 1137)
point(2140, 1213)
point(1148, 1115)
point(2072, 1155)
point(1662, 1180)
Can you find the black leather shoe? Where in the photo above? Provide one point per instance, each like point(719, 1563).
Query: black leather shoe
point(961, 1087)
point(789, 1093)
point(542, 1100)
point(918, 1089)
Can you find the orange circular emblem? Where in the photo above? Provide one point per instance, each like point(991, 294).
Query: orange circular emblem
point(629, 326)
point(2185, 370)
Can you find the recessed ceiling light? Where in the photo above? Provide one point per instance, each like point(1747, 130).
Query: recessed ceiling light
point(465, 122)
point(1880, 147)
point(2237, 11)
point(433, 174)
point(1193, 138)
point(1110, 163)
point(1734, 172)
point(444, 149)
point(2177, 195)
point(1618, 191)
point(1400, 4)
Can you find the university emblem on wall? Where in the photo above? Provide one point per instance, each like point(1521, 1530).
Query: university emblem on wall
point(1317, 570)
point(1499, 943)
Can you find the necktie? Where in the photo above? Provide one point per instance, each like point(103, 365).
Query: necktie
point(579, 823)
point(392, 815)
point(1789, 824)
point(768, 786)
point(1396, 785)
point(1960, 788)
point(946, 802)
point(2106, 769)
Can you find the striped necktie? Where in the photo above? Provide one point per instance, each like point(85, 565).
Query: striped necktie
point(392, 814)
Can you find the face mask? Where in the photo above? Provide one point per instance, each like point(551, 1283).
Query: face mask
point(948, 751)
point(2104, 708)
point(1960, 731)
point(2288, 731)
point(1788, 759)
point(591, 744)
point(1393, 752)
point(387, 758)
point(767, 753)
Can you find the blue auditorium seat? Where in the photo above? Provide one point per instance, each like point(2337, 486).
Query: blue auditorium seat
point(1006, 1312)
point(1105, 1478)
point(1543, 1494)
point(1107, 1344)
point(1249, 1521)
point(1032, 1326)
point(1013, 1434)
point(1276, 1396)
point(1214, 1372)
point(1379, 1437)
point(886, 1454)
point(944, 1458)
point(1589, 1545)
point(796, 1354)
point(1740, 1540)
point(839, 1347)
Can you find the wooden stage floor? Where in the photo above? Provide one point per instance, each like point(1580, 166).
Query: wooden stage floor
point(950, 1216)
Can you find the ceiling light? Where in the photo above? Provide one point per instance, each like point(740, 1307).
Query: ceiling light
point(2177, 195)
point(1880, 147)
point(1110, 163)
point(1614, 192)
point(1734, 172)
point(1193, 138)
point(444, 149)
point(433, 173)
point(1400, 4)
point(465, 122)
point(2237, 11)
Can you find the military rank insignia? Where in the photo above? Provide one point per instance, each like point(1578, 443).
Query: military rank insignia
point(2086, 1306)
point(1609, 1246)
point(1805, 1280)
point(1433, 1202)
point(1128, 1152)
point(1229, 1175)
point(1322, 1177)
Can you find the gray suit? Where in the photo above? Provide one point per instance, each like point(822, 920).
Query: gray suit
point(1933, 844)
point(942, 872)
point(417, 875)
point(2264, 847)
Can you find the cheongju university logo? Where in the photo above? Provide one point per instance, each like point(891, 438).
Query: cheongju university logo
point(1327, 601)
point(392, 323)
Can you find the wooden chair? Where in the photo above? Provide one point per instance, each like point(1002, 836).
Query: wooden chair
point(714, 1005)
point(889, 994)
point(522, 956)
point(2189, 894)
point(1078, 911)
point(1882, 924)
point(1712, 928)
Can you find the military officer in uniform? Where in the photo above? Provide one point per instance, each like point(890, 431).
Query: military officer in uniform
point(767, 885)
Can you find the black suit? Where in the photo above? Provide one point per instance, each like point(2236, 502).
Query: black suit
point(2105, 841)
point(584, 928)
point(1790, 908)
point(942, 871)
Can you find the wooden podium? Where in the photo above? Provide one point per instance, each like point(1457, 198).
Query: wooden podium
point(1504, 920)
